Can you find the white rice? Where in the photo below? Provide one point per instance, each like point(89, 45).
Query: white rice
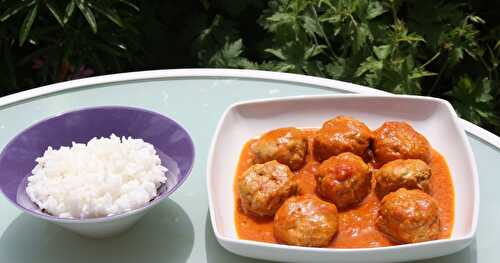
point(106, 176)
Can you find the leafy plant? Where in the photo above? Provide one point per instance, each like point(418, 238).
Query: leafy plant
point(474, 100)
point(448, 49)
point(408, 47)
point(56, 41)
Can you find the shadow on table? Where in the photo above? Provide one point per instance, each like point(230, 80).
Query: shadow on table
point(216, 253)
point(165, 234)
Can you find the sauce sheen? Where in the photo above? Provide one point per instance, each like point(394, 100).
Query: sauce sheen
point(356, 225)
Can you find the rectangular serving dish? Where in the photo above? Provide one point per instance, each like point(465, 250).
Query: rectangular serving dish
point(434, 118)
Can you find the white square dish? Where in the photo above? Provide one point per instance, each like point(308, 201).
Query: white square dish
point(434, 118)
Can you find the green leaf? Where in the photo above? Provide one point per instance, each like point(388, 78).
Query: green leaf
point(474, 100)
point(135, 7)
point(334, 19)
point(55, 13)
point(279, 19)
point(314, 68)
point(232, 50)
point(485, 94)
point(461, 39)
point(88, 14)
point(413, 37)
point(477, 19)
point(375, 9)
point(382, 51)
point(336, 69)
point(14, 10)
point(276, 52)
point(229, 56)
point(369, 65)
point(277, 66)
point(328, 3)
point(110, 50)
point(311, 26)
point(27, 23)
point(313, 51)
point(361, 35)
point(463, 89)
point(484, 114)
point(112, 15)
point(70, 9)
point(420, 73)
point(455, 56)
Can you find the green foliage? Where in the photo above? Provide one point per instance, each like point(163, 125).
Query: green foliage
point(229, 56)
point(47, 41)
point(448, 49)
point(406, 47)
point(474, 100)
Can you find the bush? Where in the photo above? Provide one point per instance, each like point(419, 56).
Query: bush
point(444, 49)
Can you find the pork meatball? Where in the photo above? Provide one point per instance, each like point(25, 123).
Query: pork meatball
point(344, 180)
point(409, 174)
point(341, 134)
point(305, 221)
point(409, 216)
point(286, 145)
point(398, 140)
point(264, 187)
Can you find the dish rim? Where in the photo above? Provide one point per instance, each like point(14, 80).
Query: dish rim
point(150, 204)
point(455, 119)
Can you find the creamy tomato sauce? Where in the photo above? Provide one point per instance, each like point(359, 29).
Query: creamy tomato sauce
point(356, 225)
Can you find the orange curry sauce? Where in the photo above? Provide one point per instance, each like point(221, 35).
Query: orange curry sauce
point(356, 225)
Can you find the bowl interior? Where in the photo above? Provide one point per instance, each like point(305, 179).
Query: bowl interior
point(433, 118)
point(172, 143)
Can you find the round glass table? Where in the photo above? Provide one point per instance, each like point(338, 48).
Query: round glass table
point(179, 229)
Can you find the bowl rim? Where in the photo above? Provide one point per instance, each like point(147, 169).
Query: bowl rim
point(149, 205)
point(455, 119)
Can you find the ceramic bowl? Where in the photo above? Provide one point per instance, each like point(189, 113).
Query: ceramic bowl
point(434, 118)
point(172, 142)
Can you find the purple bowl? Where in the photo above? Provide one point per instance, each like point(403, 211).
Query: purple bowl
point(171, 141)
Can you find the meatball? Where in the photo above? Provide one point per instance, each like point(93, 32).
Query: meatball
point(409, 174)
point(398, 140)
point(344, 180)
point(264, 187)
point(341, 134)
point(409, 216)
point(305, 221)
point(286, 145)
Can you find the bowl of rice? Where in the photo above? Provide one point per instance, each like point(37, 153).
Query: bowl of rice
point(96, 171)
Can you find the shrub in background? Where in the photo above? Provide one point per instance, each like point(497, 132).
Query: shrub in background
point(47, 41)
point(447, 49)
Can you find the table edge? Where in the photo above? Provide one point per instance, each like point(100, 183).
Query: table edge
point(479, 132)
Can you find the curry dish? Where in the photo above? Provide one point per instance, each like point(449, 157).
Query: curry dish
point(343, 186)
